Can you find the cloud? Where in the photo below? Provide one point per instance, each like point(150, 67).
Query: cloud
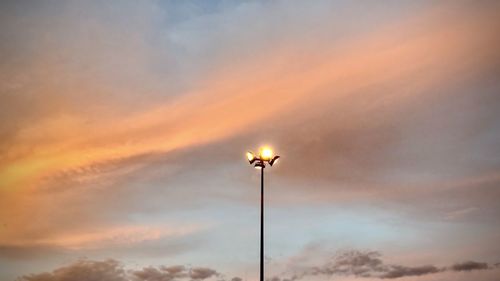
point(112, 270)
point(192, 119)
point(352, 117)
point(370, 265)
point(202, 273)
point(109, 237)
point(159, 274)
point(397, 271)
point(174, 270)
point(469, 265)
point(108, 270)
point(352, 263)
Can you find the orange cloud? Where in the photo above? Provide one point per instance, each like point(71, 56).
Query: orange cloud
point(276, 83)
point(106, 237)
point(261, 88)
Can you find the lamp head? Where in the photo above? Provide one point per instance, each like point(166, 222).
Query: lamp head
point(274, 160)
point(259, 165)
point(251, 157)
point(266, 154)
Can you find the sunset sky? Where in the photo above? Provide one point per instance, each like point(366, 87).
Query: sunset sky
point(124, 126)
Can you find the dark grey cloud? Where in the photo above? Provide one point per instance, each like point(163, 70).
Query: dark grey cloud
point(174, 270)
point(177, 272)
point(469, 265)
point(370, 265)
point(159, 274)
point(108, 270)
point(397, 271)
point(112, 270)
point(200, 273)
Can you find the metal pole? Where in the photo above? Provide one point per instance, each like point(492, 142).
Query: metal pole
point(262, 224)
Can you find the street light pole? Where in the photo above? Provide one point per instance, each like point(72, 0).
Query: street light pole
point(266, 155)
point(262, 224)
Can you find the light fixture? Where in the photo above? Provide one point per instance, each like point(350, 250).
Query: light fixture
point(251, 157)
point(274, 160)
point(266, 154)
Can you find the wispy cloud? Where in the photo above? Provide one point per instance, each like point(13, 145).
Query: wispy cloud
point(107, 237)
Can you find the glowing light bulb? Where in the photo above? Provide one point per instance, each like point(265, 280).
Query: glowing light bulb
point(266, 153)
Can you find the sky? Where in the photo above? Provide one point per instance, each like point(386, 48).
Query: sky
point(124, 126)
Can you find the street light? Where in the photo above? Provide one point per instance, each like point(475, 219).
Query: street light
point(266, 155)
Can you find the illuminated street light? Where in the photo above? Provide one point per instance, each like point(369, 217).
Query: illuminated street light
point(266, 155)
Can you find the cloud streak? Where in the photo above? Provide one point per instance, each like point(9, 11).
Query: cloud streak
point(107, 237)
point(370, 265)
point(469, 265)
point(112, 270)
